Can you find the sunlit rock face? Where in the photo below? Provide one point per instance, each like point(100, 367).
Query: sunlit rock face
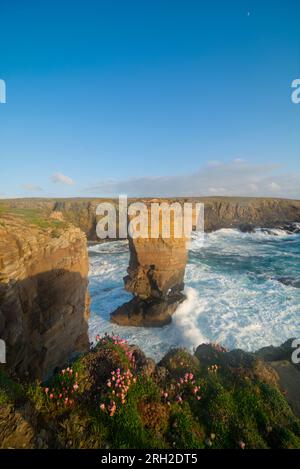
point(156, 278)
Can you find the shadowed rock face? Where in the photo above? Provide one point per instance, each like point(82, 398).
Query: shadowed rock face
point(44, 301)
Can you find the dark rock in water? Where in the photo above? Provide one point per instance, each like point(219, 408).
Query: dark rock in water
point(151, 312)
point(292, 228)
point(268, 231)
point(289, 281)
point(247, 228)
point(288, 228)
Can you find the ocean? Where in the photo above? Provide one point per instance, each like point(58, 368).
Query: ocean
point(243, 291)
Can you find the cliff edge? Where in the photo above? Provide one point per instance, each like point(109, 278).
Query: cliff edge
point(44, 300)
point(220, 212)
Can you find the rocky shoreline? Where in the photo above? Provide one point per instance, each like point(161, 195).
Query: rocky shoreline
point(245, 400)
point(44, 267)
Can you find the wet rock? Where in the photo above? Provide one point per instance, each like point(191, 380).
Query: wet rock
point(151, 312)
point(247, 228)
point(289, 281)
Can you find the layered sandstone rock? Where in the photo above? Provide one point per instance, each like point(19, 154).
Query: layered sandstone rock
point(236, 212)
point(44, 301)
point(156, 278)
point(220, 212)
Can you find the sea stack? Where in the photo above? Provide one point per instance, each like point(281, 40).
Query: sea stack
point(156, 278)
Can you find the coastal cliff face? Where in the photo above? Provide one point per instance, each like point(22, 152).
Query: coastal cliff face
point(156, 269)
point(220, 212)
point(44, 301)
point(227, 212)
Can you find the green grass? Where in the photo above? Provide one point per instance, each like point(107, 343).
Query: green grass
point(36, 217)
point(10, 391)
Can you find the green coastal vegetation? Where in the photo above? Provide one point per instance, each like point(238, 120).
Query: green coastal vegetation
point(114, 397)
point(32, 216)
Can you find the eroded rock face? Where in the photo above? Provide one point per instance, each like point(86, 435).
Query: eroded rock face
point(156, 267)
point(44, 301)
point(156, 278)
point(149, 312)
point(220, 212)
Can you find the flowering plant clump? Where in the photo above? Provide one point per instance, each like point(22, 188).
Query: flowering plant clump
point(213, 369)
point(117, 340)
point(184, 388)
point(118, 386)
point(65, 388)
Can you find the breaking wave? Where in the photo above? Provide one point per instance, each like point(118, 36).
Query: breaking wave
point(236, 293)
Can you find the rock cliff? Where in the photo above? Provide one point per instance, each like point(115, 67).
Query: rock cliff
point(228, 212)
point(156, 278)
point(44, 301)
point(220, 212)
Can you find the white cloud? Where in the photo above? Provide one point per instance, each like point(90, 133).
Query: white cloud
point(253, 187)
point(59, 178)
point(31, 188)
point(239, 160)
point(236, 178)
point(214, 163)
point(217, 190)
point(273, 186)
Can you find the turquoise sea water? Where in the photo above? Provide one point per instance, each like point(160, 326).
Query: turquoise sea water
point(239, 289)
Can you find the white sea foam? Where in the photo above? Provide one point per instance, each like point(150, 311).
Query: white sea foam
point(233, 293)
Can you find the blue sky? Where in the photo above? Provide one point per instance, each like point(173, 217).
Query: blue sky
point(149, 98)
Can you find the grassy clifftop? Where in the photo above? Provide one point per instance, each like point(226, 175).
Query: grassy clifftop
point(220, 212)
point(114, 397)
point(37, 216)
